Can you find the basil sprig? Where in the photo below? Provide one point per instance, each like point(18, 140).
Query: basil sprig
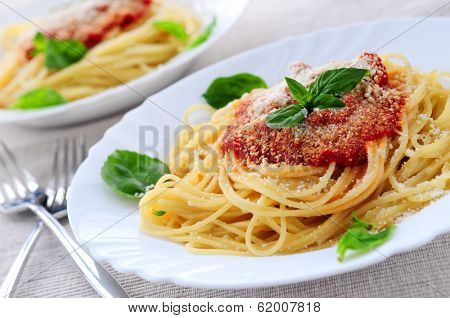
point(130, 173)
point(226, 89)
point(323, 93)
point(359, 238)
point(38, 98)
point(58, 53)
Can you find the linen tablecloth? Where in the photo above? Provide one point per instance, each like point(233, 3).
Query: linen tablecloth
point(424, 272)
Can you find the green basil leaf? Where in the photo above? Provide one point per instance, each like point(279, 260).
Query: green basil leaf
point(39, 44)
point(299, 92)
point(361, 240)
point(38, 98)
point(324, 101)
point(172, 27)
point(130, 173)
point(226, 89)
point(338, 81)
point(159, 213)
point(60, 54)
point(360, 223)
point(204, 36)
point(285, 117)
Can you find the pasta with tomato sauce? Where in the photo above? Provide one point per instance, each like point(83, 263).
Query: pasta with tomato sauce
point(252, 186)
point(89, 46)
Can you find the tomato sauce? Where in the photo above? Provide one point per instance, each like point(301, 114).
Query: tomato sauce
point(373, 111)
point(93, 21)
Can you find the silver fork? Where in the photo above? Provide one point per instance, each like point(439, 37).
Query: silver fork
point(55, 204)
point(19, 191)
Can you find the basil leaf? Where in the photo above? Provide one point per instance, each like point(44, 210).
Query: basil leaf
point(299, 92)
point(286, 117)
point(130, 173)
point(39, 44)
point(204, 36)
point(60, 54)
point(226, 89)
point(358, 238)
point(338, 81)
point(159, 213)
point(324, 101)
point(38, 98)
point(172, 27)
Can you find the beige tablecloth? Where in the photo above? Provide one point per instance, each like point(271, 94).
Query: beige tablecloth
point(421, 273)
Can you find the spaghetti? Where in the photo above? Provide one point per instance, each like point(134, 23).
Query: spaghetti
point(232, 194)
point(123, 41)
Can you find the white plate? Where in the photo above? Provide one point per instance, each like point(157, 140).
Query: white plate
point(122, 97)
point(101, 218)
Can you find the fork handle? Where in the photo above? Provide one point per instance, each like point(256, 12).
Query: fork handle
point(12, 278)
point(93, 272)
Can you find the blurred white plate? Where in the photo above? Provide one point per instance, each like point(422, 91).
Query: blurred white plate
point(227, 12)
point(110, 224)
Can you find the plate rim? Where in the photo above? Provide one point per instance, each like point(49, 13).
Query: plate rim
point(358, 264)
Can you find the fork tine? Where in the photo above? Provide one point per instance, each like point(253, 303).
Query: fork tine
point(55, 174)
point(66, 170)
point(3, 197)
point(10, 193)
point(24, 180)
point(61, 161)
point(74, 162)
point(77, 150)
point(54, 179)
point(13, 187)
point(61, 171)
point(83, 147)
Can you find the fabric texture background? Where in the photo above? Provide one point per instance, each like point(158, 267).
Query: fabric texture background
point(424, 272)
